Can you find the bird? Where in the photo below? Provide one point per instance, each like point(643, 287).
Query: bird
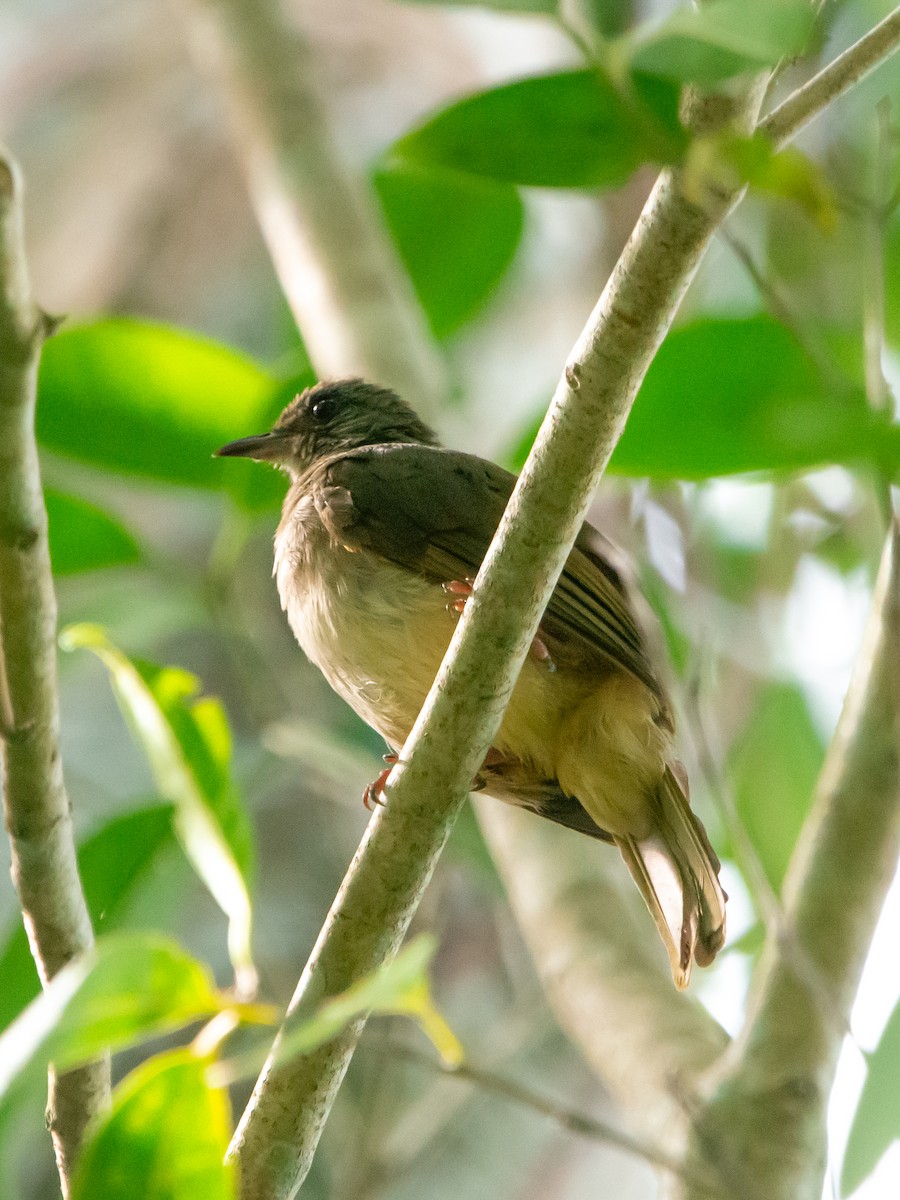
point(381, 533)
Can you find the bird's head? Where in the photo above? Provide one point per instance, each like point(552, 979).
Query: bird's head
point(338, 415)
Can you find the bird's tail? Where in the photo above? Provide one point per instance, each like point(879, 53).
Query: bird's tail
point(677, 873)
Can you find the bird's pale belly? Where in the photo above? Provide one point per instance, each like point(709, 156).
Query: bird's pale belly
point(379, 642)
point(378, 633)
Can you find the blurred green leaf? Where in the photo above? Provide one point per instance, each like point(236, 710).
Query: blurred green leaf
point(876, 1122)
point(573, 130)
point(457, 235)
point(608, 17)
point(725, 396)
point(721, 39)
point(750, 942)
point(166, 1133)
point(128, 988)
point(791, 175)
point(726, 160)
point(188, 746)
point(150, 400)
point(111, 864)
point(399, 987)
point(773, 769)
point(84, 537)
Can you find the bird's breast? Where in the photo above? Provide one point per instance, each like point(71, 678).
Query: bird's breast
point(376, 631)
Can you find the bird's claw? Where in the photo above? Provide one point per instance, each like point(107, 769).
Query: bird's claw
point(373, 793)
point(462, 589)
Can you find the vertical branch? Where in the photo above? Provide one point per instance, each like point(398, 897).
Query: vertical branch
point(36, 806)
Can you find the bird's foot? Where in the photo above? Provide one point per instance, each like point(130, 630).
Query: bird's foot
point(540, 653)
point(375, 790)
point(372, 794)
point(461, 590)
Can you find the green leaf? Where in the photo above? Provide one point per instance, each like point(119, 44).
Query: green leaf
point(573, 130)
point(724, 396)
point(188, 746)
point(84, 537)
point(773, 770)
point(456, 234)
point(398, 988)
point(149, 400)
point(128, 988)
point(721, 39)
point(876, 1122)
point(111, 864)
point(164, 1138)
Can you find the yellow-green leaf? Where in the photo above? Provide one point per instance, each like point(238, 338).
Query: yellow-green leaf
point(187, 743)
point(164, 1138)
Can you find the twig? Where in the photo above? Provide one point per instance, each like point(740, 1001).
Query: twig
point(804, 105)
point(351, 298)
point(768, 1111)
point(607, 982)
point(569, 1118)
point(36, 806)
point(780, 308)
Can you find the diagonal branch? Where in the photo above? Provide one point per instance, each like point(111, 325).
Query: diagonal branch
point(804, 105)
point(569, 1119)
point(768, 1113)
point(37, 812)
point(280, 1128)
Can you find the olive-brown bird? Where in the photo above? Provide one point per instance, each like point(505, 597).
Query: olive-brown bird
point(380, 522)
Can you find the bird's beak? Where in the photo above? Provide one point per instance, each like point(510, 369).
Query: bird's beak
point(264, 447)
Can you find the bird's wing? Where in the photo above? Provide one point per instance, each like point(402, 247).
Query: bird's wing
point(435, 512)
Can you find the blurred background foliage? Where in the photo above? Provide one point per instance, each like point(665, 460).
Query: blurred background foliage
point(749, 488)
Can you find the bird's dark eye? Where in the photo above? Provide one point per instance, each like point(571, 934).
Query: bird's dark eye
point(324, 409)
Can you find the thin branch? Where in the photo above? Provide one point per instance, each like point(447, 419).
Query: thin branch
point(813, 97)
point(570, 1119)
point(36, 806)
point(771, 295)
point(353, 302)
point(607, 982)
point(768, 1112)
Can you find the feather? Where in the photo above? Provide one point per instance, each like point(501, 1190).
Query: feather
point(676, 872)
